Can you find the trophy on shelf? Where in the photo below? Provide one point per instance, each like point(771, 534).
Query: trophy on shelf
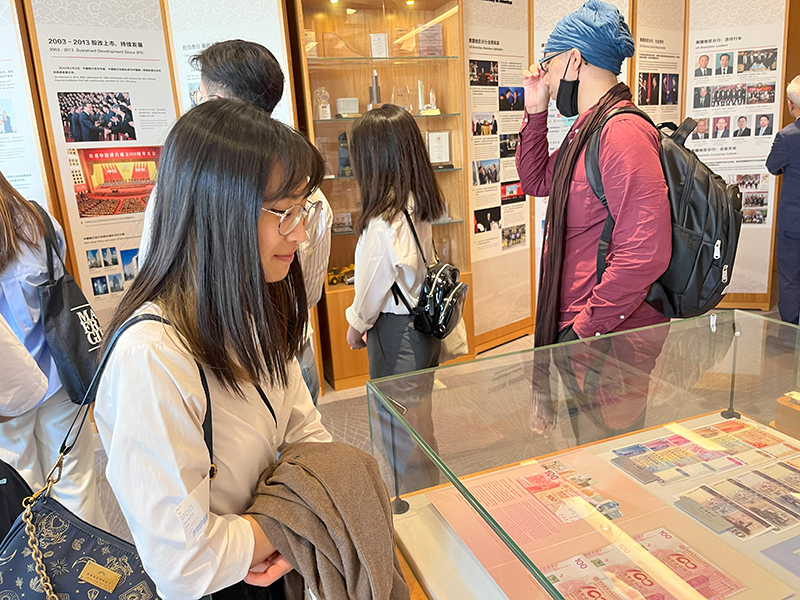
point(401, 96)
point(322, 104)
point(345, 170)
point(374, 92)
point(429, 108)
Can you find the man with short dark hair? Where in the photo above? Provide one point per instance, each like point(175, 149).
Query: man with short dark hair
point(249, 72)
point(784, 159)
point(724, 65)
point(764, 125)
point(743, 130)
point(89, 131)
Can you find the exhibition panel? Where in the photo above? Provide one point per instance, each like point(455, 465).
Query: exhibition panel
point(661, 462)
point(357, 56)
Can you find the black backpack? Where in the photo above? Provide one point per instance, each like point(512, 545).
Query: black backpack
point(441, 300)
point(706, 220)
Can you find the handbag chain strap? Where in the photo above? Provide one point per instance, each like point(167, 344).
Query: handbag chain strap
point(33, 544)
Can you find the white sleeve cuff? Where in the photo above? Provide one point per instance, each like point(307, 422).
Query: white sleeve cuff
point(357, 322)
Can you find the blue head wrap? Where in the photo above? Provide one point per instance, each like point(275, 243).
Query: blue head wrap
point(599, 31)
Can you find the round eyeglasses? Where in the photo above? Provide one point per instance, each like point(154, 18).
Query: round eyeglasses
point(544, 65)
point(292, 216)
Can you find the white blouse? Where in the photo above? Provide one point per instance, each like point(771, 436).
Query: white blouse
point(23, 383)
point(386, 253)
point(149, 412)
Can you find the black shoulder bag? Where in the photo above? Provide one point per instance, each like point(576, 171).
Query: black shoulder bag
point(71, 329)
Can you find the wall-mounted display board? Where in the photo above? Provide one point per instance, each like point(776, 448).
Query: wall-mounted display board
point(659, 58)
point(20, 148)
point(496, 41)
point(196, 25)
point(734, 64)
point(107, 97)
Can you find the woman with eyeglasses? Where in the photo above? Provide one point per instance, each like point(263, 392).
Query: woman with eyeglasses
point(222, 273)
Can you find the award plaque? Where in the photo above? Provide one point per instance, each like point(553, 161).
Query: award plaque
point(439, 149)
point(345, 170)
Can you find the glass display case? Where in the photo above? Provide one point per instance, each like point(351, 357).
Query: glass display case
point(362, 53)
point(660, 463)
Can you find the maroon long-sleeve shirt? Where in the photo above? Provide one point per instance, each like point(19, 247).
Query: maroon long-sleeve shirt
point(641, 245)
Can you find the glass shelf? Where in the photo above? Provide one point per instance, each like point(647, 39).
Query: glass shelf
point(332, 121)
point(368, 60)
point(336, 178)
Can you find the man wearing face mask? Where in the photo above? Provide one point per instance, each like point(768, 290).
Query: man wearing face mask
point(583, 57)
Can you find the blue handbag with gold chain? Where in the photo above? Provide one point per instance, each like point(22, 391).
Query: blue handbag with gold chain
point(49, 553)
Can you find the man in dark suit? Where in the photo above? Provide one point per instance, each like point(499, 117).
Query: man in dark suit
point(90, 131)
point(701, 98)
point(721, 130)
point(700, 132)
point(505, 100)
point(75, 124)
point(784, 159)
point(704, 70)
point(764, 125)
point(725, 67)
point(743, 130)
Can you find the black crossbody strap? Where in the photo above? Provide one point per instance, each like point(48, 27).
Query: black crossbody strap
point(208, 435)
point(414, 233)
point(208, 428)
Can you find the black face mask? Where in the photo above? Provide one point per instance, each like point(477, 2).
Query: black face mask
point(567, 96)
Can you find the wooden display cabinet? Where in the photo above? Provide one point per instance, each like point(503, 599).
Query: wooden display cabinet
point(422, 42)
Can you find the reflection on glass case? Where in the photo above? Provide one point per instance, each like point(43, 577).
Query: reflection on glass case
point(661, 463)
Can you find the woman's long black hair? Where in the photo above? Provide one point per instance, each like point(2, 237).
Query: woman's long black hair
point(390, 161)
point(203, 265)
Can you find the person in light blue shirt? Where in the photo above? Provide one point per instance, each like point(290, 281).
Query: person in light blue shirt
point(30, 443)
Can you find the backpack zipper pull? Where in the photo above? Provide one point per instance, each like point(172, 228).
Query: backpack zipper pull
point(725, 274)
point(718, 250)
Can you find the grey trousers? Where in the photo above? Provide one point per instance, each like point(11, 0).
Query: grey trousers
point(395, 347)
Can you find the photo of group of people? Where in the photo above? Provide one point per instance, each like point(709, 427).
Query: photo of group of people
point(484, 72)
point(485, 171)
point(484, 124)
point(512, 98)
point(96, 116)
point(508, 145)
point(754, 199)
point(721, 127)
point(754, 216)
point(6, 116)
point(658, 89)
point(747, 61)
point(752, 61)
point(761, 93)
point(513, 236)
point(738, 94)
point(487, 219)
point(113, 181)
point(758, 181)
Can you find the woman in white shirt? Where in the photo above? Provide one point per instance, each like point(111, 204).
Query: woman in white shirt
point(395, 176)
point(31, 442)
point(221, 269)
point(23, 383)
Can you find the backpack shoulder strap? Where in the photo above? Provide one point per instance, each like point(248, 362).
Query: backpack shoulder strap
point(414, 233)
point(593, 175)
